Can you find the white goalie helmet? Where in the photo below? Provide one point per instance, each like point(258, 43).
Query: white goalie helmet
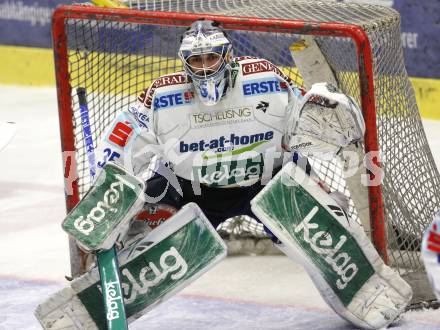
point(206, 53)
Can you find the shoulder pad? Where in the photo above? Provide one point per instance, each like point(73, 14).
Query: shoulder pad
point(254, 65)
point(178, 78)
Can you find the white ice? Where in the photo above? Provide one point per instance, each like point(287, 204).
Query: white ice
point(240, 293)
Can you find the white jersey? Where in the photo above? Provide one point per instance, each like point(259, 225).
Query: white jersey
point(231, 143)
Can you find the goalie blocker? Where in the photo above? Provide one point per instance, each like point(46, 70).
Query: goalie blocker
point(334, 250)
point(152, 269)
point(103, 215)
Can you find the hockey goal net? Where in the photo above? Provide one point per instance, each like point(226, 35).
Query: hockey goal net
point(116, 53)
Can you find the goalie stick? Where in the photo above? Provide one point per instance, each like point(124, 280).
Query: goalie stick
point(314, 68)
point(7, 132)
point(107, 260)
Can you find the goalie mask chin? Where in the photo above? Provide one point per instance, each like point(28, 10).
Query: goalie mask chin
point(206, 52)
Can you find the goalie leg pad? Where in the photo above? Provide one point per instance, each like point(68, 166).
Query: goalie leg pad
point(153, 269)
point(334, 250)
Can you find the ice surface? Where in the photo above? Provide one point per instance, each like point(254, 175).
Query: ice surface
point(240, 293)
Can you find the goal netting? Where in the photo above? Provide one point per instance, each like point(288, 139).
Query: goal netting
point(116, 53)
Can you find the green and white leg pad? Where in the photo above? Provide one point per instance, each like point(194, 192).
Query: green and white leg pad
point(334, 250)
point(152, 269)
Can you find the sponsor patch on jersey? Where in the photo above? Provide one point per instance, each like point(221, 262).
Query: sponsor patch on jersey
point(231, 145)
point(173, 99)
point(264, 86)
point(172, 79)
point(122, 132)
point(224, 117)
point(146, 97)
point(262, 106)
point(188, 96)
point(264, 66)
point(142, 118)
point(259, 66)
point(230, 172)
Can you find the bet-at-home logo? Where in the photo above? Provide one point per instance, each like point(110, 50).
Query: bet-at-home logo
point(223, 117)
point(322, 242)
point(110, 203)
point(231, 145)
point(224, 173)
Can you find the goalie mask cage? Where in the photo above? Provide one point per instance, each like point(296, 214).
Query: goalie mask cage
point(116, 53)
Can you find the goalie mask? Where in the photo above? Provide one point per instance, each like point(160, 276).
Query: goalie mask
point(205, 52)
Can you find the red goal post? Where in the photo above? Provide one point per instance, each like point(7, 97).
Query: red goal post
point(66, 41)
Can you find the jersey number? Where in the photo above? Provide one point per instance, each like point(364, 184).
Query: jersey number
point(109, 155)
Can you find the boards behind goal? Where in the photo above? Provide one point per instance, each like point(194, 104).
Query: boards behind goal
point(116, 53)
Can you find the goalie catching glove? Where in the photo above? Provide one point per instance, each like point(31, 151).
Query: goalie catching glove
point(324, 122)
